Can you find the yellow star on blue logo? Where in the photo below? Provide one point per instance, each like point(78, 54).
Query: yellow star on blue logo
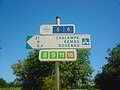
point(57, 29)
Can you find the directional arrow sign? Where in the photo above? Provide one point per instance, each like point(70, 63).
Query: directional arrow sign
point(81, 41)
point(57, 55)
point(57, 29)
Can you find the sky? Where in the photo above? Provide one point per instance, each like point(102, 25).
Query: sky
point(19, 18)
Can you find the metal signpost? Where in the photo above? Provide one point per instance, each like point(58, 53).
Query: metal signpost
point(57, 78)
point(58, 42)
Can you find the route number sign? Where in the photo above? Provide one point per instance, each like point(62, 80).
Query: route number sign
point(57, 55)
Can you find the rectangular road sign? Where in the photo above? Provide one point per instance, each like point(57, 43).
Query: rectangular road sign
point(81, 41)
point(57, 55)
point(57, 29)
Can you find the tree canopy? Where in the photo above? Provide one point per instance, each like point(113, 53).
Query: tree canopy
point(76, 74)
point(30, 71)
point(109, 78)
point(36, 75)
point(3, 83)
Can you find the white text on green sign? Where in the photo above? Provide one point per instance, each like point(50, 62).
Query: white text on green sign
point(57, 55)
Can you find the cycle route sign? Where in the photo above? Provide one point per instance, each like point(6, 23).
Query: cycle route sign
point(58, 42)
point(80, 41)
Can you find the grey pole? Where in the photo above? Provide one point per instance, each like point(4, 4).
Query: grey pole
point(57, 63)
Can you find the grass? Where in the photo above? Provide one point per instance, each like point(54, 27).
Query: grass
point(11, 88)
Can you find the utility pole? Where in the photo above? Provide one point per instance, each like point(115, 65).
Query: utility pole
point(57, 63)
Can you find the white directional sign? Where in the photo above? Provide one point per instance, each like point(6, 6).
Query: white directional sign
point(57, 29)
point(81, 41)
point(57, 55)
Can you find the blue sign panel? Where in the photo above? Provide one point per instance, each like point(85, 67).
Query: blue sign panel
point(68, 29)
point(58, 29)
point(63, 29)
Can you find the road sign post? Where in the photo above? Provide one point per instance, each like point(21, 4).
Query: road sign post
point(57, 78)
point(58, 42)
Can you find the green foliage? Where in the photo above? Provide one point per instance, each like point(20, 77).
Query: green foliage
point(76, 74)
point(11, 88)
point(3, 83)
point(36, 75)
point(109, 78)
point(49, 83)
point(31, 71)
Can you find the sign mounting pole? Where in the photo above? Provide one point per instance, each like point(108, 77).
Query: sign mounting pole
point(57, 63)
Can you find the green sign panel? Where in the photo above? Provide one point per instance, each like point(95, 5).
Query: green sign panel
point(58, 55)
point(44, 55)
point(85, 41)
point(53, 55)
point(61, 55)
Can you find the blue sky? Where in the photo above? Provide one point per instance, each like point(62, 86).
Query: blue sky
point(19, 18)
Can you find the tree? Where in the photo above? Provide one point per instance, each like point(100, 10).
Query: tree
point(76, 74)
point(15, 83)
point(109, 78)
point(49, 82)
point(36, 75)
point(3, 83)
point(31, 71)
